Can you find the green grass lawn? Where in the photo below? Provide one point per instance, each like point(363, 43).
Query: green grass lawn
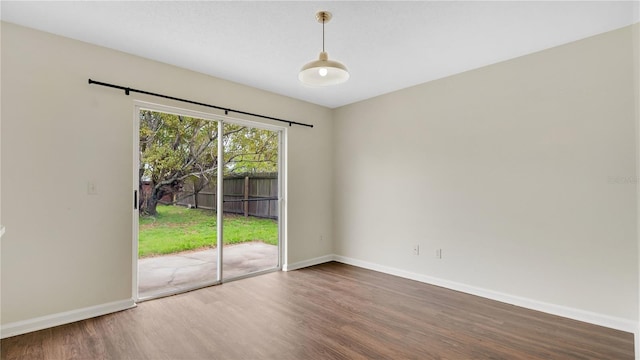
point(176, 229)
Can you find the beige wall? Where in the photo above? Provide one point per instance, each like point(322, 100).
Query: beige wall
point(66, 250)
point(523, 173)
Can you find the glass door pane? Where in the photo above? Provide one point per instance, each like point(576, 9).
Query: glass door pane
point(178, 166)
point(251, 185)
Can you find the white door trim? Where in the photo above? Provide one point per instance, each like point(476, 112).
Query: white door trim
point(222, 119)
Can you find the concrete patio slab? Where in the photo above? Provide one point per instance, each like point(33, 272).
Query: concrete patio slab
point(176, 271)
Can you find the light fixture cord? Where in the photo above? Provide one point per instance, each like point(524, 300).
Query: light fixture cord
point(322, 34)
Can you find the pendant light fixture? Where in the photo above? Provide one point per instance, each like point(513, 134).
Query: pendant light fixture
point(323, 72)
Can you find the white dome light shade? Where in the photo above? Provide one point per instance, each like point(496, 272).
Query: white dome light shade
point(323, 72)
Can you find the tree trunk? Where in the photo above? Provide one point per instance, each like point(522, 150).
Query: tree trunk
point(150, 207)
point(150, 202)
point(140, 197)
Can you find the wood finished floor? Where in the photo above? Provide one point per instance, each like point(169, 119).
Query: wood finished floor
point(329, 311)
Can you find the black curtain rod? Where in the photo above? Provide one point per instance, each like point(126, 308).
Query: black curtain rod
point(128, 90)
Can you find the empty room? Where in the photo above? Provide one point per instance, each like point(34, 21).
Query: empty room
point(320, 180)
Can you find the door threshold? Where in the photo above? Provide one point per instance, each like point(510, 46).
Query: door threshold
point(171, 292)
point(252, 274)
point(164, 293)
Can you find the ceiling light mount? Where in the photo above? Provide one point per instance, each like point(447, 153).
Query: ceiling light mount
point(323, 17)
point(323, 72)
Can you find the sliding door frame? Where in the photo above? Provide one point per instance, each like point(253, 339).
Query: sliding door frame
point(221, 119)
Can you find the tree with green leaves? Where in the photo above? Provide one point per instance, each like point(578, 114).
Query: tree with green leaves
point(175, 149)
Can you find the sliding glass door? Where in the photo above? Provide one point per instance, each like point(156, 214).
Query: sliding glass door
point(184, 230)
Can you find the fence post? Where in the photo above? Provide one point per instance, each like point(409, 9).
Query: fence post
point(246, 196)
point(195, 198)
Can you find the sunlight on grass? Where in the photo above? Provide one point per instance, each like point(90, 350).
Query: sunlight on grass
point(176, 229)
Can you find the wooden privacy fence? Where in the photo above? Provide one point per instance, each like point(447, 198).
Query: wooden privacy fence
point(250, 195)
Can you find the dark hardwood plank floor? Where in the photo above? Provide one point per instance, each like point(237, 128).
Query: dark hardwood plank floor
point(329, 311)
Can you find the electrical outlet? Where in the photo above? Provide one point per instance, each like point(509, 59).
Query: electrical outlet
point(438, 253)
point(416, 249)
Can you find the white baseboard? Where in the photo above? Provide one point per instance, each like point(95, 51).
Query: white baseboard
point(571, 313)
point(48, 321)
point(307, 263)
point(22, 327)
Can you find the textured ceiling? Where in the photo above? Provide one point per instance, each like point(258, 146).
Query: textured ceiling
point(386, 45)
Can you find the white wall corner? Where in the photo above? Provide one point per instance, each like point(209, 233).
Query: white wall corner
point(637, 343)
point(48, 321)
point(636, 88)
point(307, 263)
point(571, 313)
